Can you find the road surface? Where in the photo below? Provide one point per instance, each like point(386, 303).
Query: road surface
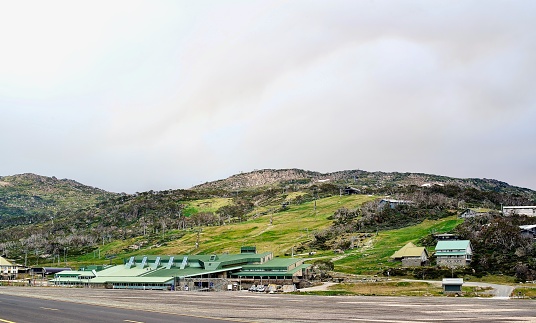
point(270, 308)
point(16, 309)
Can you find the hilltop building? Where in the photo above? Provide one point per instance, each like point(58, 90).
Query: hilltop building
point(471, 213)
point(392, 203)
point(446, 236)
point(191, 272)
point(528, 231)
point(520, 210)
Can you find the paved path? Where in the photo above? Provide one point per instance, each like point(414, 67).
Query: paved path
point(324, 286)
point(499, 291)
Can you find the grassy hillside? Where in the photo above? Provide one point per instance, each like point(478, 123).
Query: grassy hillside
point(284, 211)
point(288, 229)
point(376, 251)
point(275, 231)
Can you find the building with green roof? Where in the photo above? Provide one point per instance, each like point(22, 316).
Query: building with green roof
point(191, 272)
point(453, 253)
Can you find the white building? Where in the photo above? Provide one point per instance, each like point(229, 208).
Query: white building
point(7, 269)
point(521, 210)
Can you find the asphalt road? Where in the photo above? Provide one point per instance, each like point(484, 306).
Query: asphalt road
point(267, 308)
point(17, 309)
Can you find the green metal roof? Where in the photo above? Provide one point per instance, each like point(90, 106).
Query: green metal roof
point(452, 245)
point(220, 261)
point(75, 273)
point(134, 280)
point(197, 265)
point(187, 272)
point(450, 253)
point(120, 270)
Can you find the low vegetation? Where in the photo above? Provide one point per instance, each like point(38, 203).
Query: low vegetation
point(289, 212)
point(373, 256)
point(389, 289)
point(528, 291)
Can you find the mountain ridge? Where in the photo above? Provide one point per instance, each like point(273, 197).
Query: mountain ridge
point(36, 197)
point(360, 178)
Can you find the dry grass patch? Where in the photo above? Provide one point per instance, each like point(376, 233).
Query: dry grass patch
point(527, 291)
point(390, 288)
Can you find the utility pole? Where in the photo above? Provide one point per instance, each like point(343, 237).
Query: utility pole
point(197, 241)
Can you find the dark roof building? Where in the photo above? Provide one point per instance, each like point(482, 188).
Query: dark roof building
point(452, 285)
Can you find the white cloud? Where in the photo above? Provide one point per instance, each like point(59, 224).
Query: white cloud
point(137, 95)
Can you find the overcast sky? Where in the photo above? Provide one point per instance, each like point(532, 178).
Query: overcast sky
point(137, 95)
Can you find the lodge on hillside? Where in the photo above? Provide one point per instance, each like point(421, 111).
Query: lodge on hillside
point(411, 255)
point(453, 253)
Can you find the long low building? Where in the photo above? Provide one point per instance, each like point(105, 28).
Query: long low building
point(191, 272)
point(520, 210)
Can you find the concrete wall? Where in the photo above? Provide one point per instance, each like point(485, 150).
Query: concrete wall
point(411, 262)
point(451, 262)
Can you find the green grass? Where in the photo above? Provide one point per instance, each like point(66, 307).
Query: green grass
point(497, 279)
point(371, 260)
point(525, 292)
point(289, 229)
point(389, 289)
point(206, 205)
point(476, 291)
